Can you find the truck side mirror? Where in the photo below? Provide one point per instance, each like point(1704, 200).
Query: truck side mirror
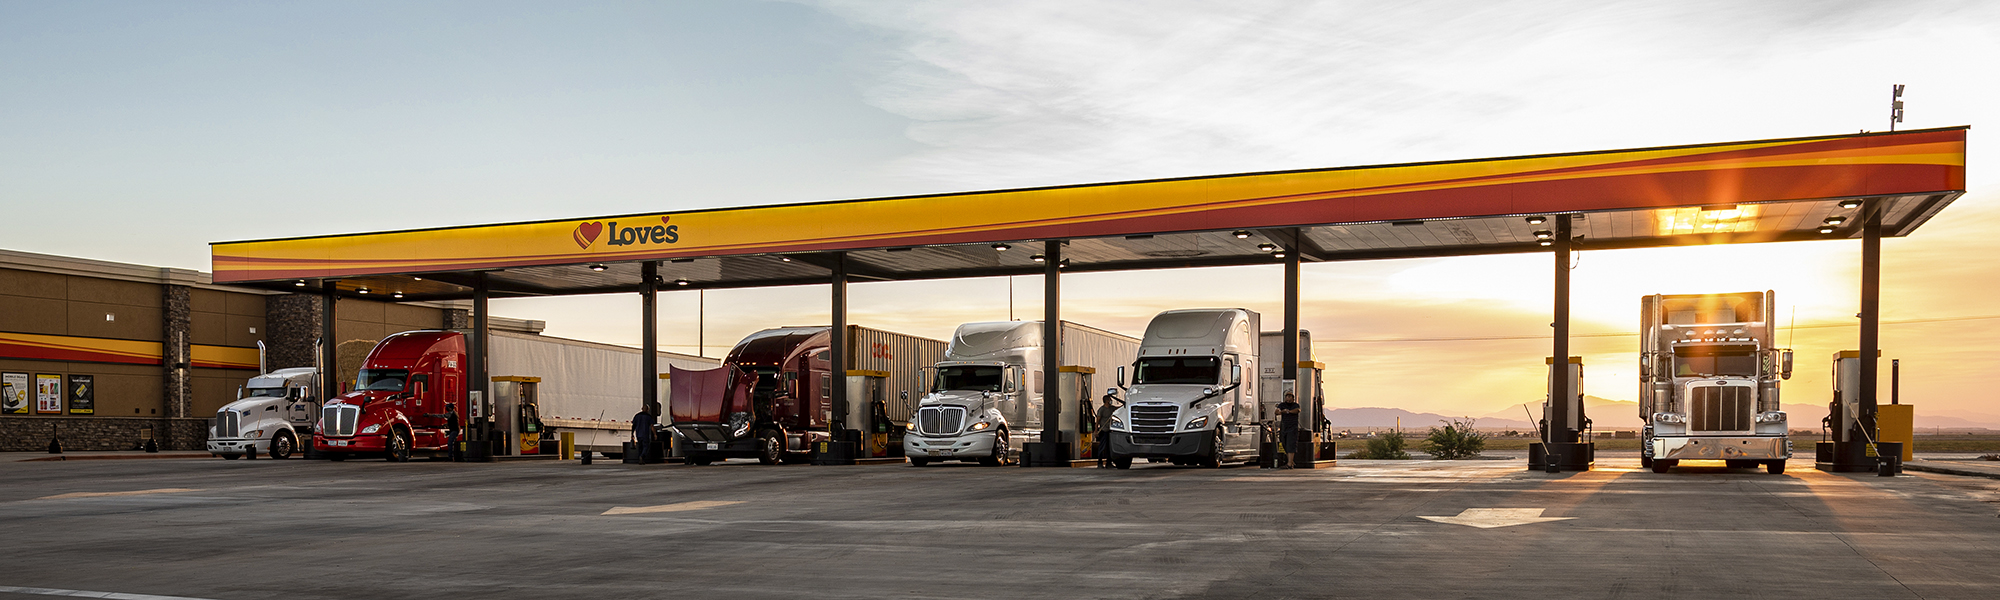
point(239, 392)
point(1785, 365)
point(1121, 375)
point(1235, 374)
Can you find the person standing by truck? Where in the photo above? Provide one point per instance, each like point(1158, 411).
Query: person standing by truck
point(1101, 442)
point(1288, 431)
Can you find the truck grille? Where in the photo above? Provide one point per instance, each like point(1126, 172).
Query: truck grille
point(1153, 440)
point(1720, 408)
point(228, 424)
point(940, 420)
point(340, 419)
point(1155, 418)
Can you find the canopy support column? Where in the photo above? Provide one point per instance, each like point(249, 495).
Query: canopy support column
point(842, 447)
point(649, 337)
point(1565, 447)
point(1052, 450)
point(480, 395)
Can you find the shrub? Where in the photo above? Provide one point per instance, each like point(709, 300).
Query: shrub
point(1388, 446)
point(1454, 441)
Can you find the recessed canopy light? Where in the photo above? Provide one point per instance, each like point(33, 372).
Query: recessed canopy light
point(363, 290)
point(1544, 234)
point(1850, 204)
point(1242, 234)
point(681, 281)
point(417, 278)
point(1548, 242)
point(1064, 264)
point(396, 295)
point(1001, 247)
point(300, 283)
point(785, 258)
point(1836, 220)
point(597, 267)
point(1537, 220)
point(1278, 254)
point(1826, 230)
point(1038, 258)
point(1267, 247)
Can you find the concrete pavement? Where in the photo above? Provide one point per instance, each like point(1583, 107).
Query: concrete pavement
point(295, 529)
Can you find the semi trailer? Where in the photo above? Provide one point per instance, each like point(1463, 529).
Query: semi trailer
point(1708, 381)
point(985, 398)
point(272, 414)
point(1194, 396)
point(772, 399)
point(412, 395)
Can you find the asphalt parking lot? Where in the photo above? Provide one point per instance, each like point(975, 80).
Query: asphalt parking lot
point(295, 529)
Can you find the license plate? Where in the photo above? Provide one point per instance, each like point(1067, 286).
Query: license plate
point(935, 452)
point(337, 443)
point(713, 445)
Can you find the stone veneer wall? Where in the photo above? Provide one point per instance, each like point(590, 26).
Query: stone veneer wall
point(177, 313)
point(293, 321)
point(101, 433)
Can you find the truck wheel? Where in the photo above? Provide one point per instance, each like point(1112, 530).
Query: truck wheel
point(1000, 445)
point(1122, 462)
point(1776, 467)
point(399, 446)
point(1214, 458)
point(770, 448)
point(283, 446)
point(1645, 462)
point(918, 461)
point(1661, 465)
point(229, 456)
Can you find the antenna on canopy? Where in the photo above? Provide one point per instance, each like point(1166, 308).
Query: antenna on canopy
point(1895, 105)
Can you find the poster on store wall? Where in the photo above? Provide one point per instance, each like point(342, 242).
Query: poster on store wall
point(48, 394)
point(14, 393)
point(82, 395)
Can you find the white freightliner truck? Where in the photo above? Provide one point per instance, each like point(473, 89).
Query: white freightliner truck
point(1708, 381)
point(1194, 394)
point(984, 400)
point(271, 416)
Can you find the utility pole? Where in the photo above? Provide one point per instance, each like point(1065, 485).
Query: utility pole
point(1895, 105)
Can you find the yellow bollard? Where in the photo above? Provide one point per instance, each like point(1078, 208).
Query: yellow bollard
point(568, 450)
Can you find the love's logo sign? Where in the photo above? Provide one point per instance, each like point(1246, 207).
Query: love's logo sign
point(664, 233)
point(586, 233)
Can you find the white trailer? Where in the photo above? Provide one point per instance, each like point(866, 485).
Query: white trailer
point(985, 398)
point(544, 386)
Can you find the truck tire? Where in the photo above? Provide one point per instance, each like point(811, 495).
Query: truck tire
point(1776, 467)
point(1122, 462)
point(283, 446)
point(916, 461)
point(770, 447)
point(1000, 446)
point(1661, 465)
point(1214, 458)
point(1645, 462)
point(398, 446)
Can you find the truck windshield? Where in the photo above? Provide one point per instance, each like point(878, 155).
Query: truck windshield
point(1701, 362)
point(382, 380)
point(767, 382)
point(264, 393)
point(1178, 369)
point(975, 379)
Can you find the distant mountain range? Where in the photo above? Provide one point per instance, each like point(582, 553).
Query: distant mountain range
point(1610, 414)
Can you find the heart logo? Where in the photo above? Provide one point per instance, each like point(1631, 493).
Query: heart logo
point(586, 233)
point(666, 219)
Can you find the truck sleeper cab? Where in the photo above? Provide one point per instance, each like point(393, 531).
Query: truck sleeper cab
point(1189, 402)
point(271, 416)
point(771, 394)
point(405, 402)
point(1709, 382)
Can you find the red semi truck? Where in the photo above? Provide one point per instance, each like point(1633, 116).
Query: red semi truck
point(773, 397)
point(407, 400)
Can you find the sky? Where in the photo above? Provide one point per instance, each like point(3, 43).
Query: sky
point(141, 131)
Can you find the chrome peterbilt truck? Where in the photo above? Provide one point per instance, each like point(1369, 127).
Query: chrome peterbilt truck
point(1194, 391)
point(985, 398)
point(272, 415)
point(1708, 381)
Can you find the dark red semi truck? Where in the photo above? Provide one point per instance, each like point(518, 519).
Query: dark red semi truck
point(773, 397)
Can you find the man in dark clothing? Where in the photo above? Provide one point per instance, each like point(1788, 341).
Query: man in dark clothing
point(642, 431)
point(1101, 444)
point(1288, 431)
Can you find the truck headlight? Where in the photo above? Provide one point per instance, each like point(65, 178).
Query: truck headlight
point(1117, 424)
point(980, 426)
point(372, 428)
point(256, 434)
point(1775, 416)
point(1669, 418)
point(1197, 423)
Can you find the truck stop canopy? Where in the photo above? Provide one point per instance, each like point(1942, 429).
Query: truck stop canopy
point(1737, 192)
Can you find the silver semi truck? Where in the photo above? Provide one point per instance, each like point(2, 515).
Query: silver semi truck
point(984, 399)
point(1194, 394)
point(273, 413)
point(1708, 381)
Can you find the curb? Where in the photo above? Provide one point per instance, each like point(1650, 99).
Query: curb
point(70, 457)
point(1934, 468)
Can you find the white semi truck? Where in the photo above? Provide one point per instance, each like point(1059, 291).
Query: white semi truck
point(1708, 381)
point(984, 399)
point(1195, 392)
point(272, 415)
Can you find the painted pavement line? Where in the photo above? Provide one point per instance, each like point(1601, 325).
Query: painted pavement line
point(109, 494)
point(683, 506)
point(89, 594)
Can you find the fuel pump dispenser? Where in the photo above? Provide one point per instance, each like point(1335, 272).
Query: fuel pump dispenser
point(1848, 433)
point(1569, 438)
point(517, 420)
point(879, 425)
